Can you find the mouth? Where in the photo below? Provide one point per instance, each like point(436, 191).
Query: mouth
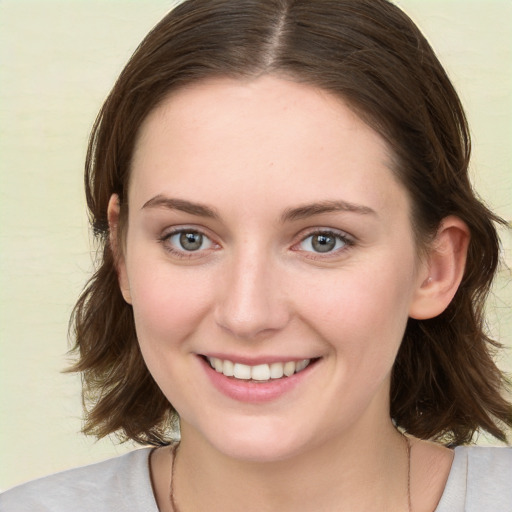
point(261, 372)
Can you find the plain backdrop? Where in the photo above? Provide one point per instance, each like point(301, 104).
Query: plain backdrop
point(58, 60)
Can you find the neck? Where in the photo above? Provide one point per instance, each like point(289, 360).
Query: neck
point(356, 472)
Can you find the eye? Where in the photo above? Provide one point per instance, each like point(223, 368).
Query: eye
point(187, 240)
point(324, 242)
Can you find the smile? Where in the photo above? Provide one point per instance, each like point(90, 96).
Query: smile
point(260, 372)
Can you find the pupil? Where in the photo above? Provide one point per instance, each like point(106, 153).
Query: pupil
point(323, 243)
point(191, 241)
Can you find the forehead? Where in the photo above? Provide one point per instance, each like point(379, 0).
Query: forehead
point(257, 136)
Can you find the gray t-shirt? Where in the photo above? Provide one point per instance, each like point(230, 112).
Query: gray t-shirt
point(480, 480)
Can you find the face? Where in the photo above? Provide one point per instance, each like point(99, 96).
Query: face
point(271, 265)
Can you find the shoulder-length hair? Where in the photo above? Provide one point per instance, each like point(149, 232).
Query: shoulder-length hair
point(445, 384)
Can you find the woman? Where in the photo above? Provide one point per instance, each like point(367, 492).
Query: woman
point(294, 271)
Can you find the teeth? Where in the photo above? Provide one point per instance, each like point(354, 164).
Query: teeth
point(242, 371)
point(218, 365)
point(276, 370)
point(301, 365)
point(289, 368)
point(228, 369)
point(260, 372)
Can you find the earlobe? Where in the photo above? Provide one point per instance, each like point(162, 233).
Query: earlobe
point(113, 213)
point(442, 270)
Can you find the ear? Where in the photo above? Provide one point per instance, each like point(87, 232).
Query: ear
point(113, 213)
point(442, 270)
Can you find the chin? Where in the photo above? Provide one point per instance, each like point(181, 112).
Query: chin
point(258, 442)
point(255, 450)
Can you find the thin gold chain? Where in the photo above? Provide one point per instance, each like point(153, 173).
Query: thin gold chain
point(408, 446)
point(174, 453)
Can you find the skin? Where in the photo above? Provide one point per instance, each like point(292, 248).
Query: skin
point(252, 152)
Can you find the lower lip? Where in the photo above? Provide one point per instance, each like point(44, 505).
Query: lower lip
point(250, 391)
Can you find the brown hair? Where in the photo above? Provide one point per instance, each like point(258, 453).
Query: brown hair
point(445, 384)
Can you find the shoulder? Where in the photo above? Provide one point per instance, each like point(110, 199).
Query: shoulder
point(480, 480)
point(502, 456)
point(121, 483)
point(489, 471)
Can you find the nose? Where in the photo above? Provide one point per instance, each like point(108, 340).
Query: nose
point(252, 298)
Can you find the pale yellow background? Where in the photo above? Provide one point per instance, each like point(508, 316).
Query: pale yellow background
point(58, 60)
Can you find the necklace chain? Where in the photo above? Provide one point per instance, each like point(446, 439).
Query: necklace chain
point(408, 447)
point(174, 453)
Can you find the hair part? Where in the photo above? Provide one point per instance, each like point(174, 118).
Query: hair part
point(445, 384)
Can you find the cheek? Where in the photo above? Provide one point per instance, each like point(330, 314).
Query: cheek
point(168, 307)
point(167, 303)
point(364, 311)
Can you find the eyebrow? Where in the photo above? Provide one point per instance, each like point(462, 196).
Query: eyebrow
point(182, 205)
point(309, 210)
point(290, 214)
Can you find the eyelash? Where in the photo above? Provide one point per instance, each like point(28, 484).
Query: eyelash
point(184, 254)
point(338, 236)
